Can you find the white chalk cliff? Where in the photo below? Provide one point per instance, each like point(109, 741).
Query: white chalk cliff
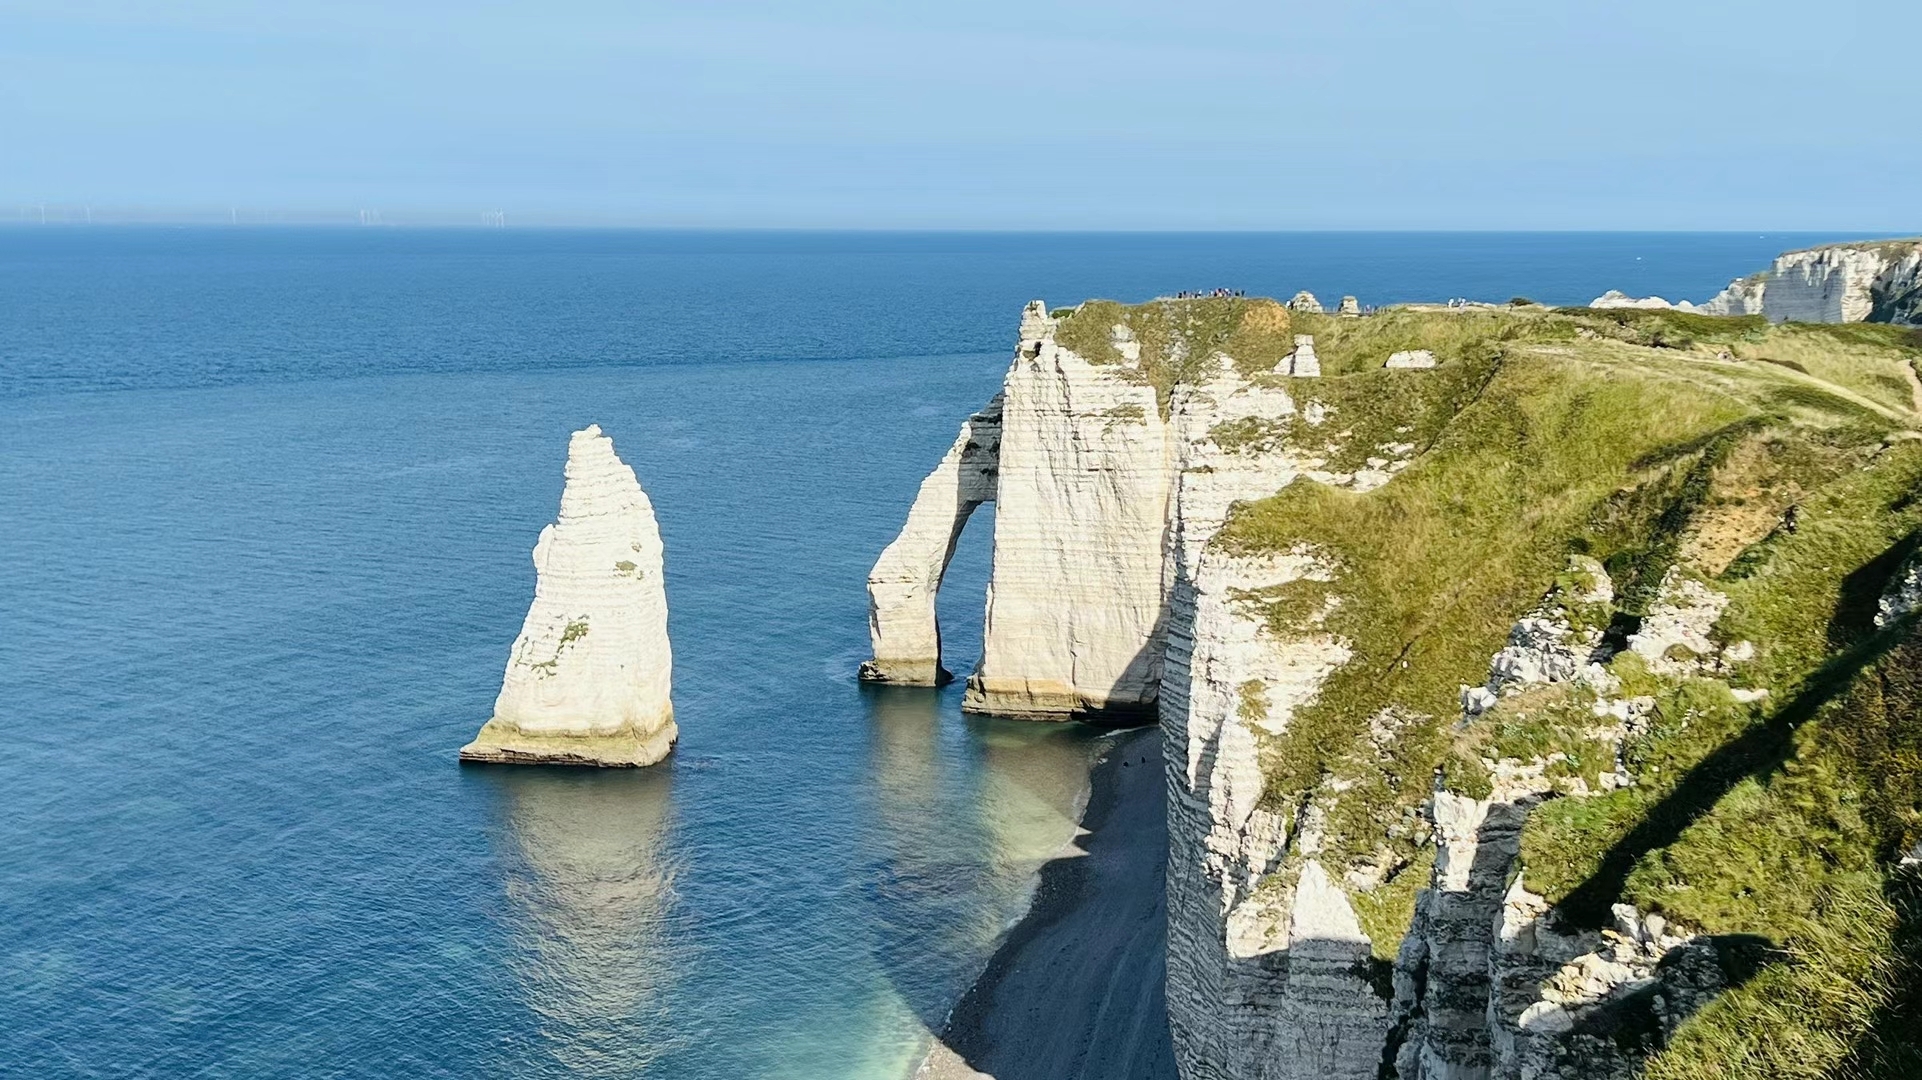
point(1115, 592)
point(1099, 499)
point(1878, 281)
point(1267, 965)
point(588, 678)
point(1081, 506)
point(1107, 598)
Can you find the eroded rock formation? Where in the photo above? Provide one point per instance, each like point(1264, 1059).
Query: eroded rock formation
point(904, 583)
point(588, 678)
point(1318, 927)
point(1101, 494)
point(1268, 969)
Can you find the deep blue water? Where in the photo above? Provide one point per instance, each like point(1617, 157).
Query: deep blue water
point(266, 503)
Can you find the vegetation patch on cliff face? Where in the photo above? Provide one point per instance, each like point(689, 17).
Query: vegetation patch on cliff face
point(1374, 410)
point(1781, 818)
point(1661, 444)
point(1434, 567)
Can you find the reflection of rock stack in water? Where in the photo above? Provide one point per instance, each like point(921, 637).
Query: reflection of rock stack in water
point(591, 885)
point(926, 880)
point(587, 681)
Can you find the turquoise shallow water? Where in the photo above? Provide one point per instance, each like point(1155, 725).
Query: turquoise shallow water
point(266, 503)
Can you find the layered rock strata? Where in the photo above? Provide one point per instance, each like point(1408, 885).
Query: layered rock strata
point(1269, 973)
point(1838, 283)
point(1081, 506)
point(588, 678)
point(1876, 282)
point(1268, 968)
point(1101, 493)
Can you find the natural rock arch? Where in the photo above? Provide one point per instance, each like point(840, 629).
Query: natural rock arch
point(905, 581)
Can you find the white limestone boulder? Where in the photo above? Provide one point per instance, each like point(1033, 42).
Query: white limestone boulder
point(1302, 363)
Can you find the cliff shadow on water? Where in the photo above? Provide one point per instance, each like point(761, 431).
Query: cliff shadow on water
point(1078, 988)
point(1071, 891)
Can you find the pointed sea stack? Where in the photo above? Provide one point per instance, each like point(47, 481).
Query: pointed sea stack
point(587, 682)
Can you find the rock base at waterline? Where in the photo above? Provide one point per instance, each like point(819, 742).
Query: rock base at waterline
point(503, 744)
point(905, 673)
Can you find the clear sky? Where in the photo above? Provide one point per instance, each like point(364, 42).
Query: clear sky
point(1525, 114)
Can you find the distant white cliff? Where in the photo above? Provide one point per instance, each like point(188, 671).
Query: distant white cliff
point(588, 679)
point(1878, 281)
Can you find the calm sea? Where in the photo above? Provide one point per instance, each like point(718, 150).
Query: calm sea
point(266, 504)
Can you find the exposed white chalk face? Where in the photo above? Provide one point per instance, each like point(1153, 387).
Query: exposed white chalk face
point(1267, 965)
point(1303, 363)
point(1081, 510)
point(1104, 499)
point(588, 678)
point(1868, 282)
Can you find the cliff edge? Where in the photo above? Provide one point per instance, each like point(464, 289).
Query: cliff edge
point(1545, 710)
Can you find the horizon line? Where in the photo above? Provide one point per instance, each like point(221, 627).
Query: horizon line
point(331, 222)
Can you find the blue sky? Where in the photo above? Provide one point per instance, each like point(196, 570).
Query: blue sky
point(1686, 114)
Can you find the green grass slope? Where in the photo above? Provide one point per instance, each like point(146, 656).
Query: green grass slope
point(1653, 441)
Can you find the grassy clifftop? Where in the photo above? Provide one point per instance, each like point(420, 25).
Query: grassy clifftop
point(1773, 465)
point(1177, 337)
